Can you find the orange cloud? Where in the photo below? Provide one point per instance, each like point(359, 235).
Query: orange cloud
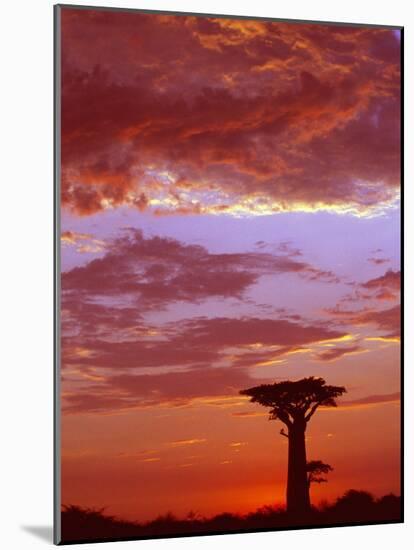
point(84, 242)
point(186, 442)
point(246, 414)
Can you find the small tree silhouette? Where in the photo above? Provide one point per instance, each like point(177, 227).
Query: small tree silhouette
point(315, 469)
point(294, 404)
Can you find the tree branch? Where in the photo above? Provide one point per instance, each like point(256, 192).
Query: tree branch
point(312, 411)
point(282, 432)
point(283, 416)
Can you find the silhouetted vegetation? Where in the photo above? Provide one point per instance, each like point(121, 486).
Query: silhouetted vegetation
point(294, 404)
point(354, 507)
point(315, 470)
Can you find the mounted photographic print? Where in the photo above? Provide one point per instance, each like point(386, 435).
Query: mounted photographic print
point(228, 274)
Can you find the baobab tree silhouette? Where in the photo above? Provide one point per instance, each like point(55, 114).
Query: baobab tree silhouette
point(315, 469)
point(294, 404)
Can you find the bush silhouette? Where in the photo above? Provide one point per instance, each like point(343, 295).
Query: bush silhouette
point(354, 507)
point(315, 469)
point(354, 500)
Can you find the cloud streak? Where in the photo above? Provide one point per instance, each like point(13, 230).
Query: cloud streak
point(371, 400)
point(336, 353)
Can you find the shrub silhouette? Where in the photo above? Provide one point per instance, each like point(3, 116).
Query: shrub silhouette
point(353, 499)
point(315, 469)
point(355, 507)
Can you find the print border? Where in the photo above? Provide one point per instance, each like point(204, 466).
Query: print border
point(57, 272)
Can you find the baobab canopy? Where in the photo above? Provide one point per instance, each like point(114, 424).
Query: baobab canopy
point(289, 399)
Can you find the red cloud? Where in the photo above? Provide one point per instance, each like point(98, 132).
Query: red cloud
point(227, 332)
point(198, 351)
point(158, 271)
point(387, 320)
point(104, 331)
point(87, 318)
point(387, 286)
point(180, 114)
point(197, 346)
point(338, 352)
point(197, 341)
point(179, 388)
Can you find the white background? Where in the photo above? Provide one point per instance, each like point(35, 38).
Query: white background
point(26, 305)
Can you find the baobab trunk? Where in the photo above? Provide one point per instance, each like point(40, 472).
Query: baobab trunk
point(297, 486)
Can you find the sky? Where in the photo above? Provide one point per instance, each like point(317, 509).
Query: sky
point(230, 216)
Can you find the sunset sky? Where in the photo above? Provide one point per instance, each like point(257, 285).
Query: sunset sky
point(230, 216)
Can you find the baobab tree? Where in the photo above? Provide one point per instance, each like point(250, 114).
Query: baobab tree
point(294, 404)
point(316, 469)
